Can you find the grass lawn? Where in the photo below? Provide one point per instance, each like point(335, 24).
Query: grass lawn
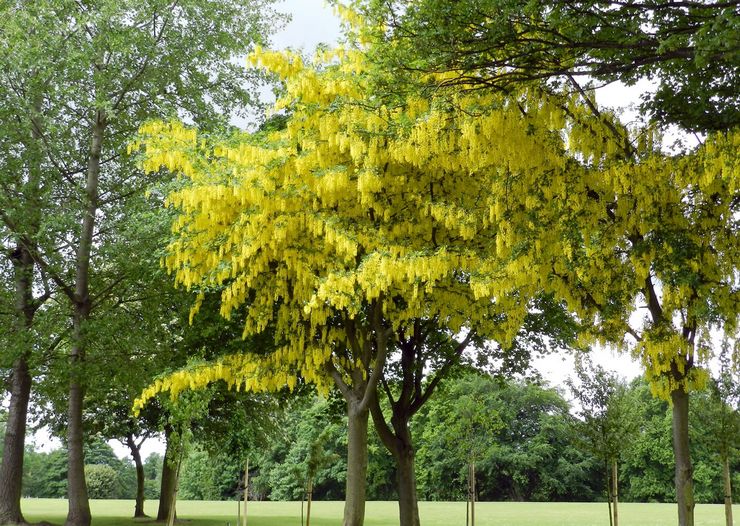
point(211, 513)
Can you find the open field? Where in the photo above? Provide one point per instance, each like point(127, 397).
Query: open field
point(211, 513)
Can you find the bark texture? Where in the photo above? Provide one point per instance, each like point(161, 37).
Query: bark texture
point(397, 439)
point(136, 455)
point(11, 470)
point(79, 505)
point(169, 480)
point(684, 469)
point(354, 504)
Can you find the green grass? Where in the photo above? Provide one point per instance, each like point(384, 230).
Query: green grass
point(210, 513)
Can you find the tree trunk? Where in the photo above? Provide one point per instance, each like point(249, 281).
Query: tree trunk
point(609, 492)
point(398, 441)
point(615, 490)
point(309, 495)
point(684, 470)
point(79, 505)
point(136, 454)
point(408, 509)
point(246, 491)
point(472, 494)
point(171, 516)
point(354, 503)
point(169, 475)
point(727, 487)
point(11, 470)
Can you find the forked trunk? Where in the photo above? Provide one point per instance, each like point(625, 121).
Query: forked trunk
point(354, 504)
point(727, 487)
point(684, 470)
point(136, 454)
point(11, 469)
point(397, 439)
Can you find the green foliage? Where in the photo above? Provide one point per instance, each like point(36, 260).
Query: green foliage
point(311, 428)
point(608, 414)
point(45, 474)
point(529, 455)
point(690, 49)
point(102, 481)
point(152, 475)
point(208, 477)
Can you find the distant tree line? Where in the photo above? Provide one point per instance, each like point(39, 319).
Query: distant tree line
point(533, 451)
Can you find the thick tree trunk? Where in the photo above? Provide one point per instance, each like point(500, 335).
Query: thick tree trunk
point(727, 487)
point(408, 509)
point(136, 454)
point(682, 456)
point(169, 480)
point(615, 491)
point(354, 504)
point(11, 470)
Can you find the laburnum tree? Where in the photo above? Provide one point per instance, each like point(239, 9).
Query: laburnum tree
point(369, 213)
point(638, 231)
point(362, 228)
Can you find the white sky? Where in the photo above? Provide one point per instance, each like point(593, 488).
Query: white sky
point(313, 22)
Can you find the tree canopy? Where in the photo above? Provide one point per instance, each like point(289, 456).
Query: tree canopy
point(690, 50)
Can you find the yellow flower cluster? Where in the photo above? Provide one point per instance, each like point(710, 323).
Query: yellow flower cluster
point(458, 208)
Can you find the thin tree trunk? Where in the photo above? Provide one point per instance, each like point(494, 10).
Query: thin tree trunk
point(609, 492)
point(472, 494)
point(246, 491)
point(79, 505)
point(136, 454)
point(354, 504)
point(11, 470)
point(308, 502)
point(167, 487)
point(684, 470)
point(727, 487)
point(615, 490)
